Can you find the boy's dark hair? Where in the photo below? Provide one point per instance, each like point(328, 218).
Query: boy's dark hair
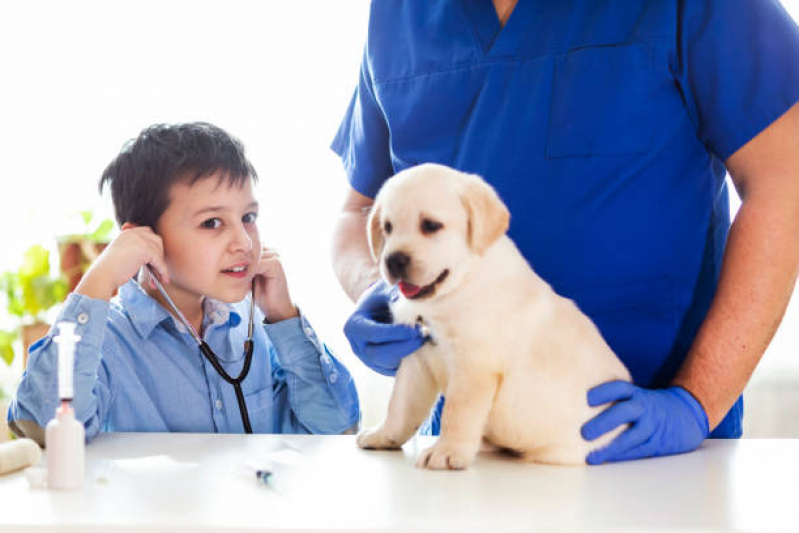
point(143, 173)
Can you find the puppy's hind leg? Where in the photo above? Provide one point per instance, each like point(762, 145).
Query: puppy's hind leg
point(414, 392)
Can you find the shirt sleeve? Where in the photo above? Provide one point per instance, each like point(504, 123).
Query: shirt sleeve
point(37, 396)
point(320, 393)
point(362, 140)
point(738, 68)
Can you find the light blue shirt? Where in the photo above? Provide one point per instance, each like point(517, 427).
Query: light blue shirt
point(137, 368)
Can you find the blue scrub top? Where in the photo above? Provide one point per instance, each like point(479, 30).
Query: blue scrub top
point(604, 126)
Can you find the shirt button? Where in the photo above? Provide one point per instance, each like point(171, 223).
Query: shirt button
point(333, 377)
point(218, 405)
point(83, 318)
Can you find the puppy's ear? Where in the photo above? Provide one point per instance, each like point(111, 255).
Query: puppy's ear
point(374, 233)
point(488, 217)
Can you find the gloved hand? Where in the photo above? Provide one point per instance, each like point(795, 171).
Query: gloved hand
point(662, 422)
point(377, 342)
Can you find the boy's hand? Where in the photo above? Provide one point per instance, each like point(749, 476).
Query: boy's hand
point(271, 288)
point(121, 260)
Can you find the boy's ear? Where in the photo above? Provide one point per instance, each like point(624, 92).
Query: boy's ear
point(128, 225)
point(374, 234)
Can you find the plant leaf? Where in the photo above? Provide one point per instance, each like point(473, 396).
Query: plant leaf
point(32, 290)
point(103, 231)
point(7, 339)
point(36, 262)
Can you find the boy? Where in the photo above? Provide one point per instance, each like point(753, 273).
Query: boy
point(183, 197)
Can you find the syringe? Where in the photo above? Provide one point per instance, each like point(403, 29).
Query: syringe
point(66, 340)
point(65, 435)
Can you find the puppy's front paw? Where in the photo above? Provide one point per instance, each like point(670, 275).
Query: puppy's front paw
point(446, 456)
point(377, 439)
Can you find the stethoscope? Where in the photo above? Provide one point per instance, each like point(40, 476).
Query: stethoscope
point(211, 356)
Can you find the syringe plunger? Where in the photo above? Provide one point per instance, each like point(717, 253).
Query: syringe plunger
point(66, 340)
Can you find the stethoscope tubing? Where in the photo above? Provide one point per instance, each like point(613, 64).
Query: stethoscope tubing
point(236, 382)
point(211, 356)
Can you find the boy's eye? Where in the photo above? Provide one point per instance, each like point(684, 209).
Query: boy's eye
point(211, 223)
point(250, 218)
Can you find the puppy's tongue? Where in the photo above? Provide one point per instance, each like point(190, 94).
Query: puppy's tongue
point(409, 290)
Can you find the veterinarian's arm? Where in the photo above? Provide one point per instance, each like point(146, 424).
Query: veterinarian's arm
point(352, 262)
point(757, 276)
point(758, 271)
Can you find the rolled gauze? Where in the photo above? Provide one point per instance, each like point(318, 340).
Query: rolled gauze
point(20, 453)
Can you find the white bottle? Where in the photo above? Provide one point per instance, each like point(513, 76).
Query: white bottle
point(65, 435)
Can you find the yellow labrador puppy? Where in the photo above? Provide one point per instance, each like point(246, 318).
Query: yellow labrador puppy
point(514, 359)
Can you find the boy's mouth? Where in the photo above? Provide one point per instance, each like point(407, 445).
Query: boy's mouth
point(237, 271)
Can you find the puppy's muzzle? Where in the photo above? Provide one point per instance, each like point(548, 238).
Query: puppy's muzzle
point(397, 264)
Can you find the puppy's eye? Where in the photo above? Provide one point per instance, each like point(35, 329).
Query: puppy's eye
point(430, 226)
point(387, 227)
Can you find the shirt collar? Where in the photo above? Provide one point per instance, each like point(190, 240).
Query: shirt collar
point(216, 313)
point(146, 313)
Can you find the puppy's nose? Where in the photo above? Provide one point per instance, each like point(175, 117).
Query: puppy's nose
point(397, 264)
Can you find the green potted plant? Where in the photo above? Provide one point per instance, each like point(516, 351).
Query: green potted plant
point(78, 250)
point(31, 291)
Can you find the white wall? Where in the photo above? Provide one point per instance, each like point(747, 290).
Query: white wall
point(80, 78)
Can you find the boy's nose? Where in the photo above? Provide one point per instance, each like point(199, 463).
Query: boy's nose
point(242, 240)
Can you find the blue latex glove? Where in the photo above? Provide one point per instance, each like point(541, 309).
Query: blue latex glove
point(662, 422)
point(377, 342)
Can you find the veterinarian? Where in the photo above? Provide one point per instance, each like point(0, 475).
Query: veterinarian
point(608, 132)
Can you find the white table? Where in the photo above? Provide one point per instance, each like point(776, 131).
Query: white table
point(199, 482)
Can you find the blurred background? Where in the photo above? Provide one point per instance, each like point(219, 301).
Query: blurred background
point(81, 78)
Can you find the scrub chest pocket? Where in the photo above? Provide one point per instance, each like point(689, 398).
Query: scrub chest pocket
point(603, 101)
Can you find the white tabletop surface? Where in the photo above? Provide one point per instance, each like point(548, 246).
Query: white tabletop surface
point(201, 482)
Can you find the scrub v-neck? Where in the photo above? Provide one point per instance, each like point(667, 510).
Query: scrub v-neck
point(494, 38)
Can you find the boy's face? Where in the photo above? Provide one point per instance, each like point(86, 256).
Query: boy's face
point(211, 241)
